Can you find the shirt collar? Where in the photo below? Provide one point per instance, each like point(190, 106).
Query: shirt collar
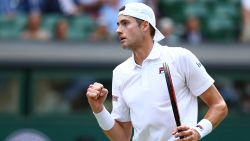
point(154, 54)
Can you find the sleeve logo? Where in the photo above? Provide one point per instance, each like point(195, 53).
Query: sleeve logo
point(198, 64)
point(115, 98)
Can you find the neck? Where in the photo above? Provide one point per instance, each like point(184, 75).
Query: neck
point(142, 51)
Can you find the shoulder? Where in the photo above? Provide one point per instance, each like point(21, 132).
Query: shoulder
point(174, 53)
point(124, 66)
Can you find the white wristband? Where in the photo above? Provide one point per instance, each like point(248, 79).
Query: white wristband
point(204, 127)
point(104, 119)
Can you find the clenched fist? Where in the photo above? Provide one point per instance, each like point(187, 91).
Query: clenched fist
point(96, 94)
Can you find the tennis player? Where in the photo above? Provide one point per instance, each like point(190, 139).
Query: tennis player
point(139, 91)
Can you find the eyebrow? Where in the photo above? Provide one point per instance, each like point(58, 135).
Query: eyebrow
point(123, 20)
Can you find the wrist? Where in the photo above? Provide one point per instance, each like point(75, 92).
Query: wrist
point(204, 127)
point(104, 119)
point(98, 110)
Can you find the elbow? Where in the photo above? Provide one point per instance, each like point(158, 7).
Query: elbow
point(224, 109)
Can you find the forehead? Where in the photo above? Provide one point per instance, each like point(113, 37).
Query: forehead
point(125, 18)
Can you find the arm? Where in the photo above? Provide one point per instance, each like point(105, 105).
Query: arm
point(217, 108)
point(217, 111)
point(120, 131)
point(201, 84)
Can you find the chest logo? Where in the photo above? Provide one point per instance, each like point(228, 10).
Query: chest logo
point(161, 69)
point(115, 98)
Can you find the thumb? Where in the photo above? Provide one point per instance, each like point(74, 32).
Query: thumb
point(174, 131)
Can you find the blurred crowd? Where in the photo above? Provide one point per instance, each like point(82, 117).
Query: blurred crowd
point(181, 21)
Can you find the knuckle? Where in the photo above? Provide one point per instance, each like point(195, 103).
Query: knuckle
point(99, 85)
point(88, 94)
point(106, 91)
point(88, 89)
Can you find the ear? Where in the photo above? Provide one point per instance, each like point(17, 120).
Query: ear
point(145, 26)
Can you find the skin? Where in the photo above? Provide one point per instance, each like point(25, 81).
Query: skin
point(137, 39)
point(61, 29)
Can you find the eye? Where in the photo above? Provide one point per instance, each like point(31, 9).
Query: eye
point(124, 23)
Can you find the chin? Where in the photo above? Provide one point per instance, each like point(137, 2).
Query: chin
point(124, 46)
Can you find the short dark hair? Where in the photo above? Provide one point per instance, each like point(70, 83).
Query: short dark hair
point(122, 8)
point(152, 30)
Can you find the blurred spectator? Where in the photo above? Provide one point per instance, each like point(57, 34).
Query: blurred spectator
point(69, 7)
point(36, 6)
point(66, 7)
point(73, 7)
point(29, 6)
point(101, 32)
point(106, 23)
point(61, 30)
point(166, 26)
point(245, 37)
point(192, 33)
point(91, 7)
point(33, 30)
point(8, 7)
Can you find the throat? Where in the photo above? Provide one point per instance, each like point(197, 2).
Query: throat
point(141, 54)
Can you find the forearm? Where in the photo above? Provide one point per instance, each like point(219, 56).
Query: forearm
point(217, 107)
point(216, 113)
point(118, 133)
point(114, 130)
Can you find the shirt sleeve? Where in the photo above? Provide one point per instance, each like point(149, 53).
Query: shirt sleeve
point(197, 78)
point(120, 109)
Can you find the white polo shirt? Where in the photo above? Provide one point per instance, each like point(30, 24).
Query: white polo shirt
point(246, 4)
point(140, 93)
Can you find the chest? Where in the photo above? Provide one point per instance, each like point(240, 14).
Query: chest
point(146, 86)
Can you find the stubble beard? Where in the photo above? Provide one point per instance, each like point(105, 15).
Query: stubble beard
point(125, 45)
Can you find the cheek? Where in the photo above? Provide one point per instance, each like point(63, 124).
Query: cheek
point(134, 33)
point(137, 35)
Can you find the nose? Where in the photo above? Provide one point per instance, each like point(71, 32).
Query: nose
point(118, 30)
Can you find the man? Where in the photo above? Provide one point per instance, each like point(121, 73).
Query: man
point(140, 94)
point(33, 30)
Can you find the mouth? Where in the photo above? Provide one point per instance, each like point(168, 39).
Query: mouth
point(122, 39)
